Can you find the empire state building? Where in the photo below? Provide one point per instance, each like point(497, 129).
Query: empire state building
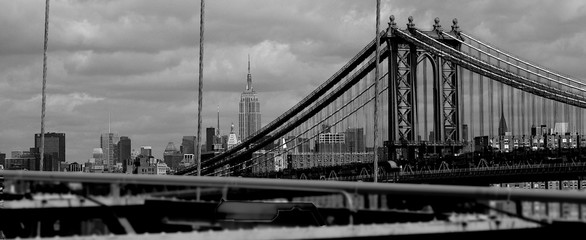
point(249, 110)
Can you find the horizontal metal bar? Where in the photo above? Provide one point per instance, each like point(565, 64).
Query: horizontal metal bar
point(423, 190)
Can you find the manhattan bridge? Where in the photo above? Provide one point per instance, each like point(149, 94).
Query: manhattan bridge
point(445, 96)
point(454, 110)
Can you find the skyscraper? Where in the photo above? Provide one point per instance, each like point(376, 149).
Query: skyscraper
point(249, 109)
point(124, 148)
point(54, 144)
point(188, 145)
point(210, 139)
point(108, 143)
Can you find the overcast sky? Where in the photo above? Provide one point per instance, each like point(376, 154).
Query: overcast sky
point(138, 59)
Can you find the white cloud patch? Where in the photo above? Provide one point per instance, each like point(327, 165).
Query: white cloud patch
point(62, 104)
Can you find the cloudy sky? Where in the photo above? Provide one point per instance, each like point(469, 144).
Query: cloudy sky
point(138, 59)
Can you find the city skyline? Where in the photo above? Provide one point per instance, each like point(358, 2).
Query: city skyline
point(138, 60)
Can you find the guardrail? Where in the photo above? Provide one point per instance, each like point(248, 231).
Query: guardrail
point(480, 193)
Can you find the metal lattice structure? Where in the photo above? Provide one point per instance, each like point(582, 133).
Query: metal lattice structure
point(332, 125)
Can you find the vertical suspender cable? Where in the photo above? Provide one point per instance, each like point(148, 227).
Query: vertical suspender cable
point(200, 91)
point(46, 42)
point(481, 100)
point(375, 170)
point(471, 97)
point(424, 66)
point(491, 107)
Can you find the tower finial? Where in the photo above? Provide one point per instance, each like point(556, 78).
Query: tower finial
point(218, 130)
point(249, 77)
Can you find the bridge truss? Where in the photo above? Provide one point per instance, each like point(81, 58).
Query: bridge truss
point(434, 104)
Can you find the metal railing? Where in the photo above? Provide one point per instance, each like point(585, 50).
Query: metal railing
point(479, 193)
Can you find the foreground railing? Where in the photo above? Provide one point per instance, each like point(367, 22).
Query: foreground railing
point(479, 193)
point(78, 202)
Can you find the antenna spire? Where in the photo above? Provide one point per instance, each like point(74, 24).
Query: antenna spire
point(218, 124)
point(249, 77)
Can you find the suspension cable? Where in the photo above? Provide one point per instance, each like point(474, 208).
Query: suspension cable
point(45, 45)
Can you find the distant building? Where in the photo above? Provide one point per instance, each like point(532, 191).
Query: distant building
point(172, 156)
point(161, 168)
point(561, 128)
point(249, 114)
point(224, 142)
point(146, 151)
point(464, 132)
point(481, 144)
point(188, 160)
point(134, 153)
point(98, 156)
point(124, 149)
point(331, 142)
point(210, 139)
point(354, 138)
point(149, 166)
point(54, 145)
point(188, 145)
point(502, 123)
point(30, 160)
point(297, 144)
point(108, 143)
point(21, 160)
point(232, 139)
point(75, 167)
point(2, 159)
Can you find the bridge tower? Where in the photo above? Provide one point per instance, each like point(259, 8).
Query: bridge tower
point(404, 61)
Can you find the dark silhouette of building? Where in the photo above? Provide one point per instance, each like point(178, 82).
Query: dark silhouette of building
point(502, 124)
point(210, 139)
point(188, 145)
point(124, 149)
point(54, 145)
point(3, 159)
point(481, 144)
